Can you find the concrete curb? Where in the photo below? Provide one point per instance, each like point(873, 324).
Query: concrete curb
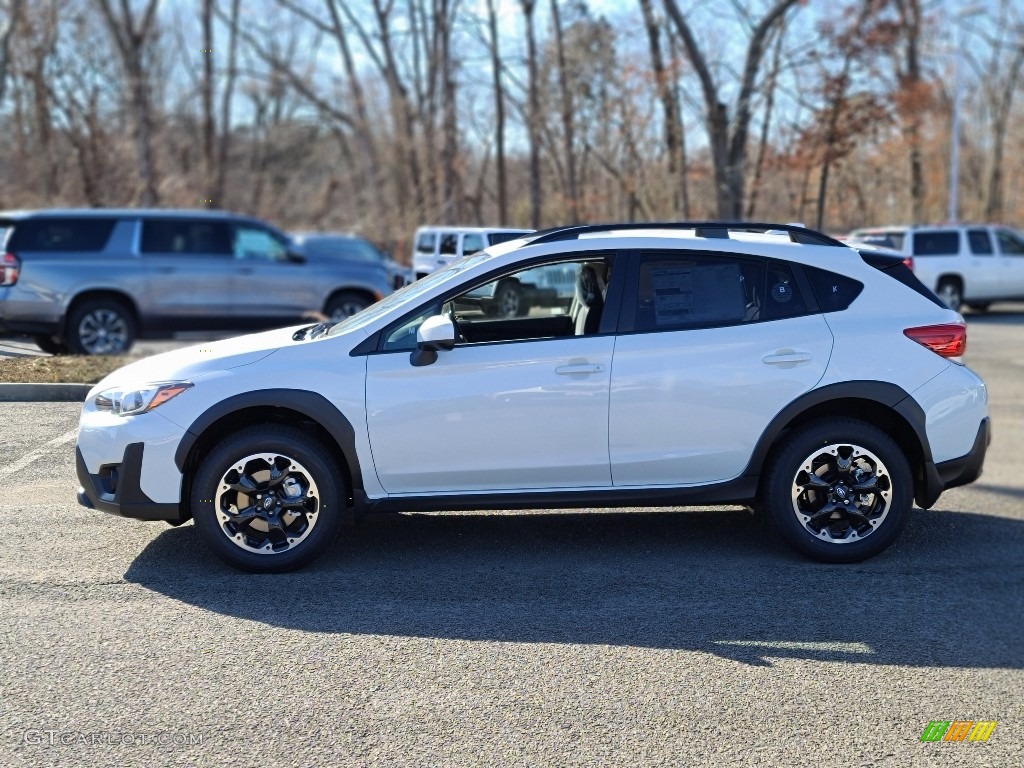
point(44, 393)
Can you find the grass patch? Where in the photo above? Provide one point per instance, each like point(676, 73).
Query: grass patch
point(73, 369)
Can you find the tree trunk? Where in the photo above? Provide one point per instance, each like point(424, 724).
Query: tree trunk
point(568, 139)
point(669, 108)
point(206, 94)
point(6, 33)
point(533, 115)
point(499, 114)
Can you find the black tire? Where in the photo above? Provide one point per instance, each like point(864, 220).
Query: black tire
point(951, 292)
point(51, 344)
point(859, 525)
point(508, 300)
point(259, 537)
point(346, 304)
point(100, 327)
point(979, 306)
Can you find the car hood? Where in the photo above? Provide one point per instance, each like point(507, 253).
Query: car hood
point(200, 359)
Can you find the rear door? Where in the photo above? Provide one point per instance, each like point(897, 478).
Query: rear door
point(190, 269)
point(711, 348)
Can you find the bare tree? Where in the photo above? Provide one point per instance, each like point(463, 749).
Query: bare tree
point(227, 94)
point(132, 35)
point(206, 87)
point(6, 32)
point(533, 127)
point(666, 84)
point(727, 134)
point(1000, 87)
point(912, 96)
point(568, 119)
point(499, 113)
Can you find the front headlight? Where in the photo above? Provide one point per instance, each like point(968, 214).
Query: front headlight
point(127, 401)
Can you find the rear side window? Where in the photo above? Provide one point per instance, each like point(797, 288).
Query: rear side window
point(980, 242)
point(425, 242)
point(73, 235)
point(833, 292)
point(937, 243)
point(702, 291)
point(186, 236)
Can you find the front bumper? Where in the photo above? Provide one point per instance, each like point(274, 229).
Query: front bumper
point(115, 489)
point(955, 472)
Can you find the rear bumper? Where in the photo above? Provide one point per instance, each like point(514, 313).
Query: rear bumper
point(955, 472)
point(115, 489)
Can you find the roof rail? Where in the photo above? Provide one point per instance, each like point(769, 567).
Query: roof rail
point(716, 229)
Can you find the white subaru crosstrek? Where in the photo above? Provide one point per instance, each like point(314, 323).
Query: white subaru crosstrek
point(702, 363)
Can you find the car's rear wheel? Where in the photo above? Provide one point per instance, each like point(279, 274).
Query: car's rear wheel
point(346, 304)
point(51, 345)
point(839, 490)
point(100, 327)
point(268, 499)
point(951, 293)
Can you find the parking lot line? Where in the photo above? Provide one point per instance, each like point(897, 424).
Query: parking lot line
point(38, 453)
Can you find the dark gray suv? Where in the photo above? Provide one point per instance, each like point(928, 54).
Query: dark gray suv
point(90, 281)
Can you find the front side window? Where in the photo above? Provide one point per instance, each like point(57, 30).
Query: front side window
point(937, 243)
point(425, 242)
point(547, 301)
point(1010, 243)
point(677, 291)
point(185, 237)
point(258, 244)
point(472, 243)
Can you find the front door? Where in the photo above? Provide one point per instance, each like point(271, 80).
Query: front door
point(519, 403)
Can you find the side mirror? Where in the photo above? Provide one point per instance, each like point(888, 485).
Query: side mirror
point(436, 333)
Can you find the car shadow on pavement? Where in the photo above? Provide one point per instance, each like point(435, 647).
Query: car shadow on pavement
point(949, 593)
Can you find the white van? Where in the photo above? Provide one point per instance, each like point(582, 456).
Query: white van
point(434, 247)
point(965, 264)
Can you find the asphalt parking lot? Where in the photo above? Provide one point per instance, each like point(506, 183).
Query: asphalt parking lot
point(680, 637)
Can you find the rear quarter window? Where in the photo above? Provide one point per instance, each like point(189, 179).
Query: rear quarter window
point(61, 235)
point(937, 243)
point(833, 292)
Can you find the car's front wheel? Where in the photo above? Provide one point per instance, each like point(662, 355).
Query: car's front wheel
point(839, 490)
point(268, 499)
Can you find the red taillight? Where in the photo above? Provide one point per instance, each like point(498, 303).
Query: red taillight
point(947, 340)
point(9, 268)
point(909, 261)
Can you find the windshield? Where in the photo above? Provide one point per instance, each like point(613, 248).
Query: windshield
point(410, 293)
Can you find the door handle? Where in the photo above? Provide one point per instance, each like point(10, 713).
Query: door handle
point(247, 271)
point(166, 270)
point(569, 370)
point(786, 357)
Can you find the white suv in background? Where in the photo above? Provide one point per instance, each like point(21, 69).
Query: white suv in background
point(693, 364)
point(436, 247)
point(972, 264)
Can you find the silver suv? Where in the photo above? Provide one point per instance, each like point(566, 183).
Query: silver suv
point(90, 281)
point(972, 264)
